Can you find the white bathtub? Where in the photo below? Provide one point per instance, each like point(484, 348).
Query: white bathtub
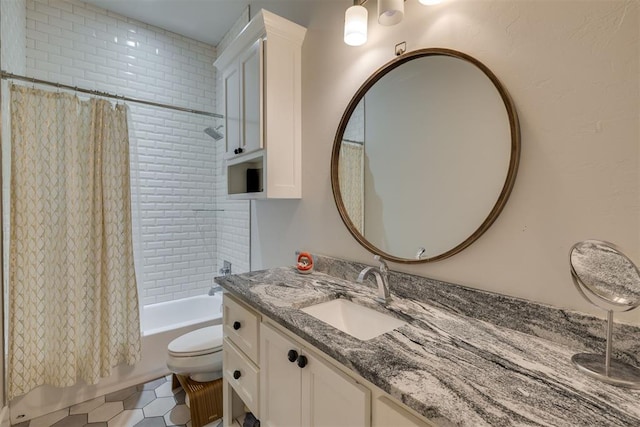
point(161, 323)
point(191, 313)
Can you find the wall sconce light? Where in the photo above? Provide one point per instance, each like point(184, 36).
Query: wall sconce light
point(390, 12)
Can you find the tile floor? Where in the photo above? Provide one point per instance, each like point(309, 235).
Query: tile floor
point(152, 404)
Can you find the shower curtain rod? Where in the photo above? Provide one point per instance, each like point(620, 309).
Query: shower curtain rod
point(10, 76)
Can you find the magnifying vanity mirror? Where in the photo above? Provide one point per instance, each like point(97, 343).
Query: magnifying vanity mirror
point(606, 278)
point(425, 156)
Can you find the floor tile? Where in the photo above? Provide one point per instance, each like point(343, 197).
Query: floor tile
point(139, 399)
point(105, 412)
point(72, 421)
point(151, 385)
point(165, 390)
point(85, 407)
point(180, 397)
point(120, 394)
point(127, 418)
point(151, 422)
point(159, 407)
point(103, 424)
point(179, 415)
point(24, 423)
point(49, 419)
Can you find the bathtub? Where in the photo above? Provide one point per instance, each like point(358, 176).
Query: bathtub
point(191, 313)
point(161, 323)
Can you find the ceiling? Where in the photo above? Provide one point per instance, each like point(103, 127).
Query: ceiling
point(204, 20)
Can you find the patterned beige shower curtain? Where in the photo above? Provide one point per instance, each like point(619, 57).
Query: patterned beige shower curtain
point(73, 302)
point(351, 174)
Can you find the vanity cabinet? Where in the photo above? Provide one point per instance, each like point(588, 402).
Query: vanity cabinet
point(240, 371)
point(262, 92)
point(286, 382)
point(298, 389)
point(386, 414)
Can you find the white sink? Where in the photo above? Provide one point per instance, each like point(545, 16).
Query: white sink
point(353, 319)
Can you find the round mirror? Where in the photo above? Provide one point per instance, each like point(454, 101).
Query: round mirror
point(425, 156)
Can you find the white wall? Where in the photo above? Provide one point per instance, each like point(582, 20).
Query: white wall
point(173, 161)
point(572, 69)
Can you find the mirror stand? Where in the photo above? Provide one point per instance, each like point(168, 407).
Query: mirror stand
point(605, 369)
point(609, 280)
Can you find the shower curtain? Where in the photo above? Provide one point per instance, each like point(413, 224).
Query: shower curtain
point(73, 303)
point(351, 173)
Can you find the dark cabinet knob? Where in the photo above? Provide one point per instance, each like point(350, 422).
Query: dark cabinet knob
point(236, 325)
point(237, 374)
point(292, 356)
point(302, 361)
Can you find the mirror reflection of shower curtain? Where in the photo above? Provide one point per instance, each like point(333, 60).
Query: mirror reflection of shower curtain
point(73, 302)
point(351, 171)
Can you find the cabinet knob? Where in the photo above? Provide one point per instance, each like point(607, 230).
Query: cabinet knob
point(236, 325)
point(237, 374)
point(302, 361)
point(292, 356)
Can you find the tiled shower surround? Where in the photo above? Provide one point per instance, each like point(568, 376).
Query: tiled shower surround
point(174, 166)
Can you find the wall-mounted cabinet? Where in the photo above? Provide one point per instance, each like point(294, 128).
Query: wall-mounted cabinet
point(261, 73)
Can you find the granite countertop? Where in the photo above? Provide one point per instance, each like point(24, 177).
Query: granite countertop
point(454, 368)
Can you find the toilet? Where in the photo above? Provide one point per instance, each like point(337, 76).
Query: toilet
point(197, 354)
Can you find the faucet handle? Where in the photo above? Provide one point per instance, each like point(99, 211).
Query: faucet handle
point(383, 265)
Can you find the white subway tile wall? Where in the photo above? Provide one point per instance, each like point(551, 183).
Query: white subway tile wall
point(174, 167)
point(12, 23)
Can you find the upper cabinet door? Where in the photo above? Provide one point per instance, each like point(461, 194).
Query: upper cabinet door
point(251, 72)
point(232, 118)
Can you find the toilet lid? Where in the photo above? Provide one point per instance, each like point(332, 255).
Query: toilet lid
point(198, 342)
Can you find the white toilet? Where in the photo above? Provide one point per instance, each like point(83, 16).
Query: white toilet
point(197, 354)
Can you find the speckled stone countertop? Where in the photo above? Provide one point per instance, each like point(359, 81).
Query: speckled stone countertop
point(464, 357)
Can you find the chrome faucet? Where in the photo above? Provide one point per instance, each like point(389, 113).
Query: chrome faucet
point(215, 289)
point(382, 279)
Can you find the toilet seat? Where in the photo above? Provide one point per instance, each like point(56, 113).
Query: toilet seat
point(197, 343)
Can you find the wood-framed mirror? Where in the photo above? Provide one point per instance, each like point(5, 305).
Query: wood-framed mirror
point(425, 156)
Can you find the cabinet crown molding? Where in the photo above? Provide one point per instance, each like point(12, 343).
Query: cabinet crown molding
point(264, 24)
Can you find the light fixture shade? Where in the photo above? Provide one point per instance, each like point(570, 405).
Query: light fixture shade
point(390, 12)
point(355, 26)
point(430, 2)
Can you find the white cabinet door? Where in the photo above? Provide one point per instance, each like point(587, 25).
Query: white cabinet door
point(306, 392)
point(331, 399)
point(388, 414)
point(251, 72)
point(279, 380)
point(232, 119)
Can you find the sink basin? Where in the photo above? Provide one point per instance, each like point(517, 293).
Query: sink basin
point(358, 321)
